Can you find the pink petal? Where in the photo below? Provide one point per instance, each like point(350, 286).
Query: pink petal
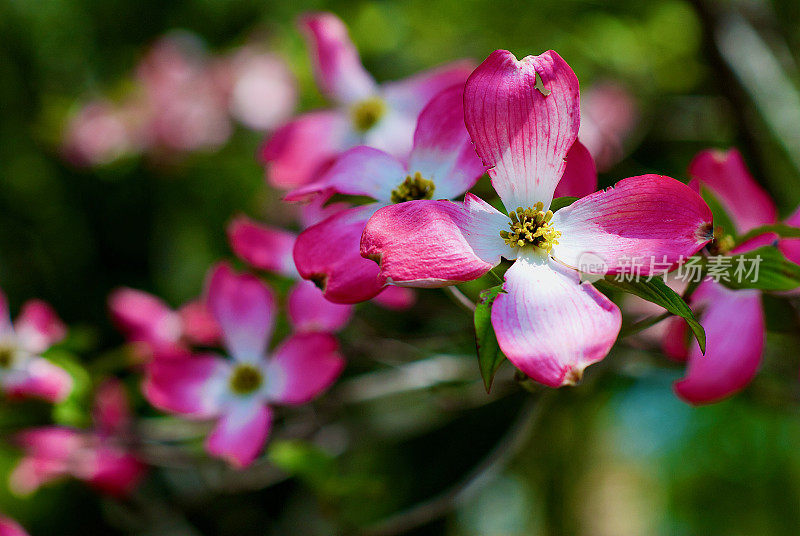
point(396, 298)
point(580, 175)
point(112, 411)
point(435, 243)
point(199, 326)
point(337, 66)
point(112, 470)
point(328, 254)
point(549, 325)
point(9, 527)
point(361, 170)
point(304, 366)
point(262, 247)
point(39, 379)
point(300, 150)
point(521, 134)
point(143, 317)
point(735, 333)
point(676, 339)
point(412, 94)
point(193, 386)
point(5, 315)
point(48, 452)
point(646, 217)
point(319, 209)
point(244, 307)
point(38, 326)
point(791, 247)
point(240, 433)
point(726, 175)
point(442, 149)
point(308, 309)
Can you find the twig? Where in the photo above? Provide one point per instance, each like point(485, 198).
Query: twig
point(460, 299)
point(642, 325)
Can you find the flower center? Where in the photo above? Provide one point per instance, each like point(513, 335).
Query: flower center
point(246, 379)
point(531, 226)
point(722, 244)
point(413, 188)
point(366, 113)
point(7, 354)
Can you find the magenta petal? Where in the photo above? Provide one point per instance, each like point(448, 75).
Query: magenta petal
point(199, 326)
point(726, 175)
point(396, 298)
point(48, 451)
point(676, 339)
point(39, 379)
point(112, 411)
point(304, 366)
point(38, 326)
point(9, 527)
point(143, 317)
point(412, 94)
point(244, 307)
point(361, 170)
point(241, 432)
point(113, 470)
point(308, 309)
point(646, 217)
point(580, 175)
point(337, 66)
point(328, 254)
point(522, 135)
point(191, 386)
point(435, 243)
point(735, 333)
point(791, 247)
point(442, 149)
point(261, 246)
point(299, 150)
point(549, 325)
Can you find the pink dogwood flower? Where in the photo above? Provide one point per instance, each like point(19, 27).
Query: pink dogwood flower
point(733, 319)
point(9, 527)
point(365, 113)
point(165, 333)
point(23, 372)
point(239, 393)
point(523, 117)
point(98, 456)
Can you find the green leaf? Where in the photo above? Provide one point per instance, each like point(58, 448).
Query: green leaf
point(489, 355)
point(774, 271)
point(658, 292)
point(780, 229)
point(561, 202)
point(721, 217)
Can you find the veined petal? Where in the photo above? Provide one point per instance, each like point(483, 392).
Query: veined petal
point(38, 326)
point(244, 307)
point(396, 298)
point(580, 175)
point(301, 149)
point(328, 254)
point(39, 379)
point(522, 135)
point(308, 309)
point(650, 217)
point(192, 386)
point(361, 170)
point(549, 325)
point(199, 326)
point(442, 149)
point(726, 175)
point(337, 66)
point(241, 432)
point(410, 95)
point(735, 333)
point(262, 247)
point(435, 243)
point(302, 367)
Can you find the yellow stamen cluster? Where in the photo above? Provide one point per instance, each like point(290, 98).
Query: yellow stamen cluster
point(245, 379)
point(722, 243)
point(413, 188)
point(366, 113)
point(531, 226)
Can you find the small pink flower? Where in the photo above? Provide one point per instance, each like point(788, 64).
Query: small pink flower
point(98, 134)
point(98, 457)
point(239, 392)
point(9, 527)
point(146, 319)
point(733, 319)
point(523, 118)
point(380, 116)
point(609, 113)
point(23, 372)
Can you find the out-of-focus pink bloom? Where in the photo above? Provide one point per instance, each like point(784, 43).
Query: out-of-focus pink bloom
point(23, 372)
point(442, 163)
point(98, 457)
point(733, 319)
point(99, 133)
point(523, 118)
point(609, 114)
point(239, 392)
point(166, 333)
point(9, 527)
point(381, 116)
point(260, 89)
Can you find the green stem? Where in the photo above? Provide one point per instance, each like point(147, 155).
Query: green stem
point(642, 325)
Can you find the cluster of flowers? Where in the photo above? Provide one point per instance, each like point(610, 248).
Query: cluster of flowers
point(181, 99)
point(413, 148)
